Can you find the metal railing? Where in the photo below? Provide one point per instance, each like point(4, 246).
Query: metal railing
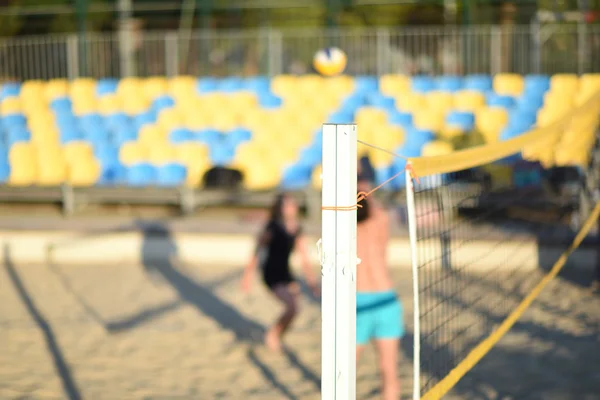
point(547, 49)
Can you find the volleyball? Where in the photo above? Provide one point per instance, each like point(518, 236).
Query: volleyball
point(330, 61)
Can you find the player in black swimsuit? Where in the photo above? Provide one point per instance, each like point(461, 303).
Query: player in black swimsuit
point(281, 236)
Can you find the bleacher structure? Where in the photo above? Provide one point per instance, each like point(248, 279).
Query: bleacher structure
point(159, 132)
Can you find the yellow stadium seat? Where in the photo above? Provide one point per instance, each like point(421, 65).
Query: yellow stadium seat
point(224, 121)
point(181, 87)
point(23, 173)
point(555, 100)
point(411, 102)
point(242, 101)
point(339, 86)
point(155, 87)
point(52, 169)
point(78, 152)
point(436, 148)
point(109, 104)
point(151, 135)
point(22, 152)
point(31, 90)
point(195, 157)
point(490, 121)
point(508, 84)
point(170, 118)
point(130, 85)
point(82, 87)
point(160, 154)
point(134, 104)
point(196, 121)
point(394, 84)
point(11, 105)
point(316, 178)
point(564, 84)
point(440, 102)
point(85, 106)
point(370, 116)
point(56, 88)
point(468, 100)
point(45, 136)
point(85, 173)
point(261, 176)
point(428, 119)
point(379, 159)
point(132, 153)
point(284, 85)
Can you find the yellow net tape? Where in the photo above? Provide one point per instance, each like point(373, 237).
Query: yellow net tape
point(540, 144)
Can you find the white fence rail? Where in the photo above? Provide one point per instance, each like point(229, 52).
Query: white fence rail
point(436, 50)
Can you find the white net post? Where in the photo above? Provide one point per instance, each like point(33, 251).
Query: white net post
point(338, 263)
point(412, 232)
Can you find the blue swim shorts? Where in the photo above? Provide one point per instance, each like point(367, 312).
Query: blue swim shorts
point(379, 315)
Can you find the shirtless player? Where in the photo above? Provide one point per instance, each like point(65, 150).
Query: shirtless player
point(378, 310)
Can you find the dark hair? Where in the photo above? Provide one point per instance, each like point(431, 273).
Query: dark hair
point(276, 212)
point(362, 213)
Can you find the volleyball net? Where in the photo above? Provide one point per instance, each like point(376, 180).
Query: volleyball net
point(477, 219)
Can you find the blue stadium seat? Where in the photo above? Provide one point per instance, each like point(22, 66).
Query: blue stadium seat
point(115, 121)
point(379, 100)
point(296, 176)
point(70, 134)
point(403, 119)
point(366, 84)
point(480, 83)
point(221, 153)
point(91, 121)
point(11, 89)
point(181, 135)
point(106, 86)
point(521, 119)
point(340, 118)
point(497, 100)
point(311, 156)
point(17, 134)
point(382, 174)
point(4, 171)
point(145, 118)
point(230, 84)
point(123, 135)
point(3, 153)
point(422, 84)
point(537, 84)
point(207, 85)
point(531, 102)
point(61, 105)
point(162, 102)
point(450, 83)
point(171, 175)
point(115, 174)
point(269, 100)
point(208, 136)
point(352, 103)
point(13, 120)
point(142, 174)
point(258, 84)
point(96, 135)
point(464, 120)
point(106, 154)
point(237, 136)
point(417, 138)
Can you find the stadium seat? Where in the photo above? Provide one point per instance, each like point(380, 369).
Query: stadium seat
point(208, 136)
point(182, 87)
point(132, 153)
point(521, 119)
point(56, 88)
point(536, 84)
point(16, 135)
point(564, 84)
point(13, 121)
point(151, 135)
point(181, 135)
point(141, 174)
point(368, 116)
point(508, 84)
point(402, 119)
point(499, 100)
point(207, 85)
point(109, 104)
point(148, 118)
point(490, 121)
point(411, 102)
point(429, 120)
point(22, 153)
point(257, 84)
point(9, 89)
point(449, 83)
point(52, 168)
point(415, 139)
point(261, 177)
point(439, 101)
point(478, 83)
point(457, 123)
point(155, 87)
point(269, 101)
point(237, 136)
point(4, 171)
point(23, 173)
point(221, 154)
point(107, 154)
point(422, 84)
point(77, 152)
point(161, 154)
point(10, 105)
point(172, 174)
point(379, 100)
point(316, 177)
point(295, 177)
point(366, 84)
point(86, 173)
point(511, 131)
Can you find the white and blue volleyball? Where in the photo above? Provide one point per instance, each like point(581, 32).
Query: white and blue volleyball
point(330, 61)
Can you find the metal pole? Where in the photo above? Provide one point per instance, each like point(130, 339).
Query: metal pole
point(125, 39)
point(82, 11)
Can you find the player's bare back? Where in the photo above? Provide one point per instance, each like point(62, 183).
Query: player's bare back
point(373, 234)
